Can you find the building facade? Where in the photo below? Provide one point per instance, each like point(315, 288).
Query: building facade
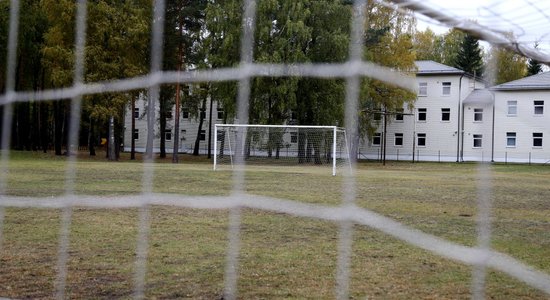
point(522, 120)
point(439, 127)
point(191, 128)
point(455, 118)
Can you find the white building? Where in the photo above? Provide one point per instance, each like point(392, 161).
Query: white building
point(522, 120)
point(189, 128)
point(455, 118)
point(438, 128)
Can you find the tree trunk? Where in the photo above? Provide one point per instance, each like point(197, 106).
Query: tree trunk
point(162, 123)
point(301, 147)
point(175, 151)
point(176, 142)
point(35, 127)
point(111, 144)
point(44, 126)
point(133, 129)
point(150, 126)
point(210, 131)
point(91, 138)
point(201, 121)
point(58, 127)
point(317, 149)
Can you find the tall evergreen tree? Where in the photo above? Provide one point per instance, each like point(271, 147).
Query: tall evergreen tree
point(533, 66)
point(183, 48)
point(470, 57)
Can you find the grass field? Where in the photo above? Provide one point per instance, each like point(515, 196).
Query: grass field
point(281, 256)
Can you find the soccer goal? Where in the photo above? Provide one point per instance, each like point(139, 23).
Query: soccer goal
point(285, 145)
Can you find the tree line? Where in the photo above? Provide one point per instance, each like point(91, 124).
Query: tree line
point(201, 34)
point(455, 48)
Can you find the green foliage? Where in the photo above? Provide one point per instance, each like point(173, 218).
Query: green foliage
point(504, 66)
point(58, 49)
point(308, 31)
point(116, 47)
point(428, 45)
point(4, 21)
point(533, 66)
point(439, 48)
point(452, 43)
point(470, 57)
point(390, 44)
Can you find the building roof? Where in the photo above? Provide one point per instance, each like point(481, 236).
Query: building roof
point(539, 81)
point(430, 67)
point(479, 96)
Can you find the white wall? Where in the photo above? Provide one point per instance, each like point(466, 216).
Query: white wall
point(442, 136)
point(188, 129)
point(524, 124)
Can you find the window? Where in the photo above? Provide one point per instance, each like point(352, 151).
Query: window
point(136, 134)
point(221, 136)
point(220, 111)
point(399, 115)
point(446, 91)
point(445, 114)
point(512, 108)
point(539, 107)
point(377, 115)
point(537, 139)
point(294, 137)
point(182, 134)
point(169, 114)
point(421, 139)
point(398, 139)
point(168, 134)
point(377, 139)
point(478, 114)
point(422, 112)
point(203, 135)
point(510, 139)
point(136, 113)
point(185, 112)
point(422, 89)
point(477, 140)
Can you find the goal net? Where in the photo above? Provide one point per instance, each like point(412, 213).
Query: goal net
point(284, 145)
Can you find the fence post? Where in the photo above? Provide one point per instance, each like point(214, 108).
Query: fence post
point(438, 155)
point(397, 154)
point(529, 158)
point(418, 155)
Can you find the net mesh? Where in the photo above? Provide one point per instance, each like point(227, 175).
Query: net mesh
point(281, 145)
point(493, 20)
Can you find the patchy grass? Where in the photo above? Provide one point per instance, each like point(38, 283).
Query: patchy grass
point(281, 256)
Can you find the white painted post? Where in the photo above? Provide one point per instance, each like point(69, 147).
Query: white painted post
point(334, 151)
point(215, 145)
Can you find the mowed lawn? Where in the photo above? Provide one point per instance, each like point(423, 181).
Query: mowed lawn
point(281, 256)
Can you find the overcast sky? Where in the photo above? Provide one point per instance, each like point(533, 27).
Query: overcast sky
point(529, 20)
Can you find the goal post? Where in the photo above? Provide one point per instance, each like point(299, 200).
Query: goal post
point(281, 145)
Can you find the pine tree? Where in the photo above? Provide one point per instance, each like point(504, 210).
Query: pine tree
point(533, 66)
point(469, 58)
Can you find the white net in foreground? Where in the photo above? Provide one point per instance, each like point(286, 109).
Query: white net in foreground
point(347, 214)
point(281, 145)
